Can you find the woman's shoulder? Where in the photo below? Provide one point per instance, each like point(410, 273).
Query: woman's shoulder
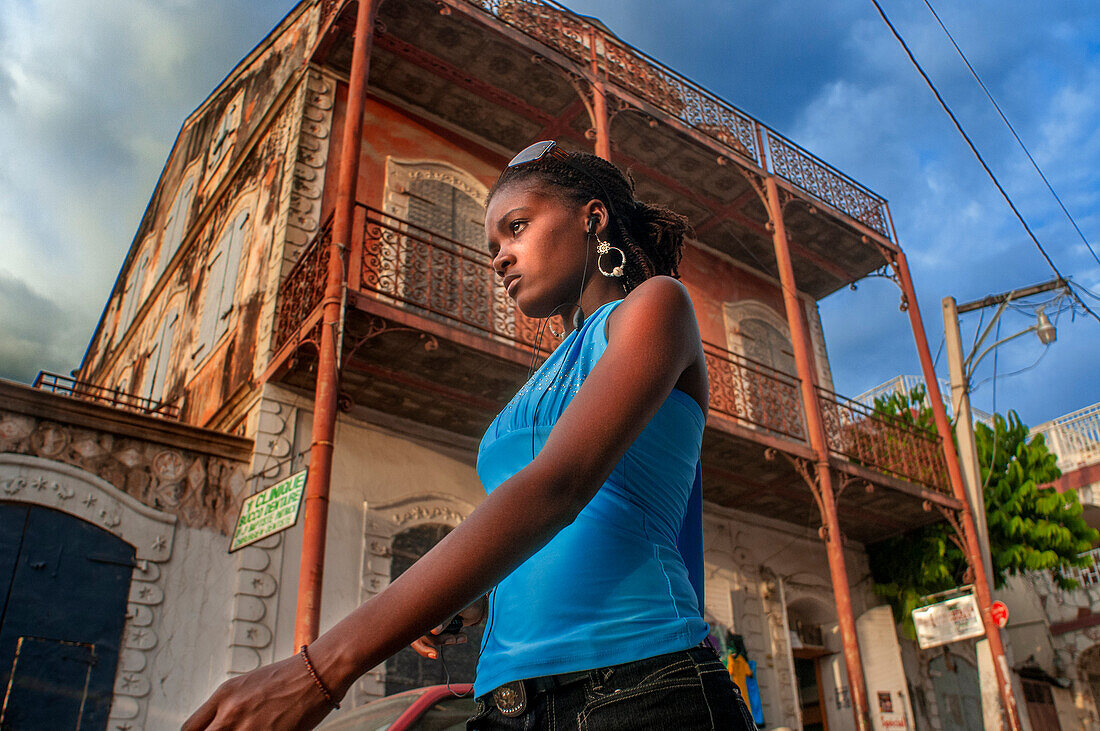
point(659, 304)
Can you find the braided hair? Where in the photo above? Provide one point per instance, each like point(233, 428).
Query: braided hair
point(651, 237)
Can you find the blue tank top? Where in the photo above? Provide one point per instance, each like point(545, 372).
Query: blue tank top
point(612, 586)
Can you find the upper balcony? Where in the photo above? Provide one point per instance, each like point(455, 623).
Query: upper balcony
point(431, 337)
point(505, 73)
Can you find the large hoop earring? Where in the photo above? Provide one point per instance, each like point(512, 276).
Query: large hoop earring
point(602, 247)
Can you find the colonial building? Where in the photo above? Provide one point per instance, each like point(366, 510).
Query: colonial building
point(215, 324)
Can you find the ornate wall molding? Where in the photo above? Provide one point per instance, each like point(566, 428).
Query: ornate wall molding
point(78, 493)
point(259, 566)
point(305, 179)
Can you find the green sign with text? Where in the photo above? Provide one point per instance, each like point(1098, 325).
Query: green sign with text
point(269, 511)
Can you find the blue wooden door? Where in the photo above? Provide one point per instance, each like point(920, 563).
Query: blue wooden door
point(63, 590)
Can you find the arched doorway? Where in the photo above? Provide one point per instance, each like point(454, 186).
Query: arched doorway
point(64, 585)
point(407, 669)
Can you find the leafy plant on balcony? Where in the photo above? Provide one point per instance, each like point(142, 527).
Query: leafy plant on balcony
point(1031, 527)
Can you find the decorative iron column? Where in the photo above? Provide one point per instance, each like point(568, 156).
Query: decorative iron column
point(315, 513)
point(599, 103)
point(969, 536)
point(818, 475)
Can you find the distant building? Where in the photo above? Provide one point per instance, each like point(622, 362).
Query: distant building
point(205, 355)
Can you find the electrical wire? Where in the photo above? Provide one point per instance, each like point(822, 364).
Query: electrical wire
point(1012, 130)
point(978, 155)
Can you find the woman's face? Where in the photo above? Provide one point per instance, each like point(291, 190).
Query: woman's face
point(539, 244)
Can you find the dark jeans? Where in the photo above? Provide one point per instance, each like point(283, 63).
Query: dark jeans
point(684, 691)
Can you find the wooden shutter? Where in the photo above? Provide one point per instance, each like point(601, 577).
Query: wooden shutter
point(159, 360)
point(234, 238)
point(175, 226)
point(215, 278)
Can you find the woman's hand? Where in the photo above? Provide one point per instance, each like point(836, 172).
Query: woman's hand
point(428, 645)
point(276, 697)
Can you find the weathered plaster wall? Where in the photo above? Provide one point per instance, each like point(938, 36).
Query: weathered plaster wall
point(240, 149)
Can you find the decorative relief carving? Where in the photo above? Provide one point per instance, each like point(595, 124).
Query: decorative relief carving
point(200, 490)
point(302, 196)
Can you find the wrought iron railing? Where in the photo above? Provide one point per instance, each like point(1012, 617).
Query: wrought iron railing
point(303, 288)
point(85, 391)
point(887, 444)
point(791, 162)
point(574, 36)
point(754, 393)
point(412, 265)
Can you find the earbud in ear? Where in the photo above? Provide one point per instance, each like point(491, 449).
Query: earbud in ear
point(593, 222)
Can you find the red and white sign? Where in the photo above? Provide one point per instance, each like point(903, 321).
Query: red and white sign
point(999, 610)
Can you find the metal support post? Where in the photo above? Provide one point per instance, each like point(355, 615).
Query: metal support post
point(315, 513)
point(969, 537)
point(599, 104)
point(800, 342)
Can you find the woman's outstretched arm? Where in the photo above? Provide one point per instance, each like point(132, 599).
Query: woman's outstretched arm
point(654, 338)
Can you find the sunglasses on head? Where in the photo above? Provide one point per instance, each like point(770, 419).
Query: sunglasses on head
point(549, 149)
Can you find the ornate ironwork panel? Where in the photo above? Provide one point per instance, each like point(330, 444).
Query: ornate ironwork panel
point(753, 393)
point(411, 265)
point(628, 68)
point(882, 442)
point(304, 287)
point(791, 162)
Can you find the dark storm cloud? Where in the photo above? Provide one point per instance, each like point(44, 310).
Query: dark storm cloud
point(35, 334)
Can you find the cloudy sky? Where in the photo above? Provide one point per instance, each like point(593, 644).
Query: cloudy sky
point(92, 95)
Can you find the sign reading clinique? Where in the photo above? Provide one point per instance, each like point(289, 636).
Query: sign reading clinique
point(269, 511)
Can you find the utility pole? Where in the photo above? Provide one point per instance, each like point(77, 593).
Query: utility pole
point(964, 427)
point(961, 369)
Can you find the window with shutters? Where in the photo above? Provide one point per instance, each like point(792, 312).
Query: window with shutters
point(757, 332)
point(221, 283)
point(765, 343)
point(158, 364)
point(176, 224)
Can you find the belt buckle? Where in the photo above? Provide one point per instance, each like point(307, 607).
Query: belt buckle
point(511, 698)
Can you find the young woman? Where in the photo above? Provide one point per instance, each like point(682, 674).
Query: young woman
point(585, 539)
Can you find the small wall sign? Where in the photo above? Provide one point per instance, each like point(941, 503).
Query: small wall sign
point(269, 511)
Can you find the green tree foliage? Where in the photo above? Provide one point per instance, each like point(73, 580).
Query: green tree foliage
point(1031, 528)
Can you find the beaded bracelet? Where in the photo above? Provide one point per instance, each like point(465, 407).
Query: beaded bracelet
point(317, 680)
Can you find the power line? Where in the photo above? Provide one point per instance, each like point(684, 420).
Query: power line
point(973, 149)
point(1012, 130)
